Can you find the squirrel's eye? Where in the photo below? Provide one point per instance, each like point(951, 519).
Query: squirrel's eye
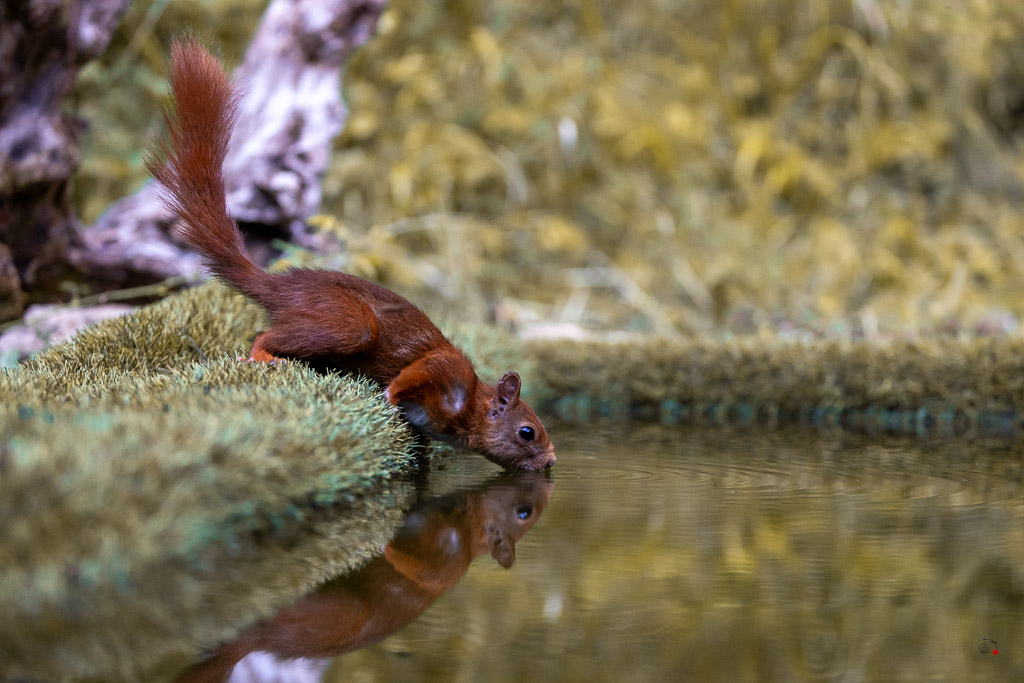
point(524, 511)
point(526, 433)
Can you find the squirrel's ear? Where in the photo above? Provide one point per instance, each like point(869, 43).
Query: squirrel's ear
point(506, 396)
point(508, 388)
point(502, 550)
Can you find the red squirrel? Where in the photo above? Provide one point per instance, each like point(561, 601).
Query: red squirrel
point(425, 559)
point(329, 318)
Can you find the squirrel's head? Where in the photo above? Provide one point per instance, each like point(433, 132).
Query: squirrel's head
point(513, 435)
point(506, 510)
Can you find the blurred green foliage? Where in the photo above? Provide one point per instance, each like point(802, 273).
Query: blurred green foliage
point(845, 167)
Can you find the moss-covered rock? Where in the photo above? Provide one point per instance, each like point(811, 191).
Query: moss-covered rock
point(156, 493)
point(937, 386)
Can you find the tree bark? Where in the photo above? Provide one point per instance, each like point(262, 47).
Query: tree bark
point(292, 108)
point(290, 111)
point(43, 43)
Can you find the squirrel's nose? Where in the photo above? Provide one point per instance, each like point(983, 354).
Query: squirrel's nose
point(551, 458)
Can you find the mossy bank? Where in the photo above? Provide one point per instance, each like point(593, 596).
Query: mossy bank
point(140, 462)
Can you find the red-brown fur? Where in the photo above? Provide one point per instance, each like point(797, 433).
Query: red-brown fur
point(325, 317)
point(426, 558)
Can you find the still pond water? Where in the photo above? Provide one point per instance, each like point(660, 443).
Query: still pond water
point(686, 554)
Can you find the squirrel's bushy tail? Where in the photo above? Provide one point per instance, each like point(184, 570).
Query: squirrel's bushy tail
point(189, 161)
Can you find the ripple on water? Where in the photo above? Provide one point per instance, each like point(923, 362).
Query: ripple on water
point(687, 554)
point(781, 465)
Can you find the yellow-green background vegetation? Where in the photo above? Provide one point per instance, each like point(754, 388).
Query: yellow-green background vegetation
point(667, 165)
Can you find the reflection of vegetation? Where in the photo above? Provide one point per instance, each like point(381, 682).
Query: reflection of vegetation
point(426, 557)
point(709, 555)
point(747, 164)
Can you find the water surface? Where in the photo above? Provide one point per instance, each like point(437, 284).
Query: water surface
point(702, 554)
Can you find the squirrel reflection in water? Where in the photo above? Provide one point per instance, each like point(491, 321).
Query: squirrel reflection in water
point(426, 558)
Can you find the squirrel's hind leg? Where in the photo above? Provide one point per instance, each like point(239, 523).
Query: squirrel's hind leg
point(259, 353)
point(345, 327)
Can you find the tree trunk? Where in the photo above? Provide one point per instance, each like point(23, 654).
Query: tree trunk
point(43, 43)
point(292, 108)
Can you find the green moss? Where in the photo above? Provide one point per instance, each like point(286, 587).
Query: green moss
point(140, 460)
point(939, 386)
point(197, 325)
point(157, 495)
